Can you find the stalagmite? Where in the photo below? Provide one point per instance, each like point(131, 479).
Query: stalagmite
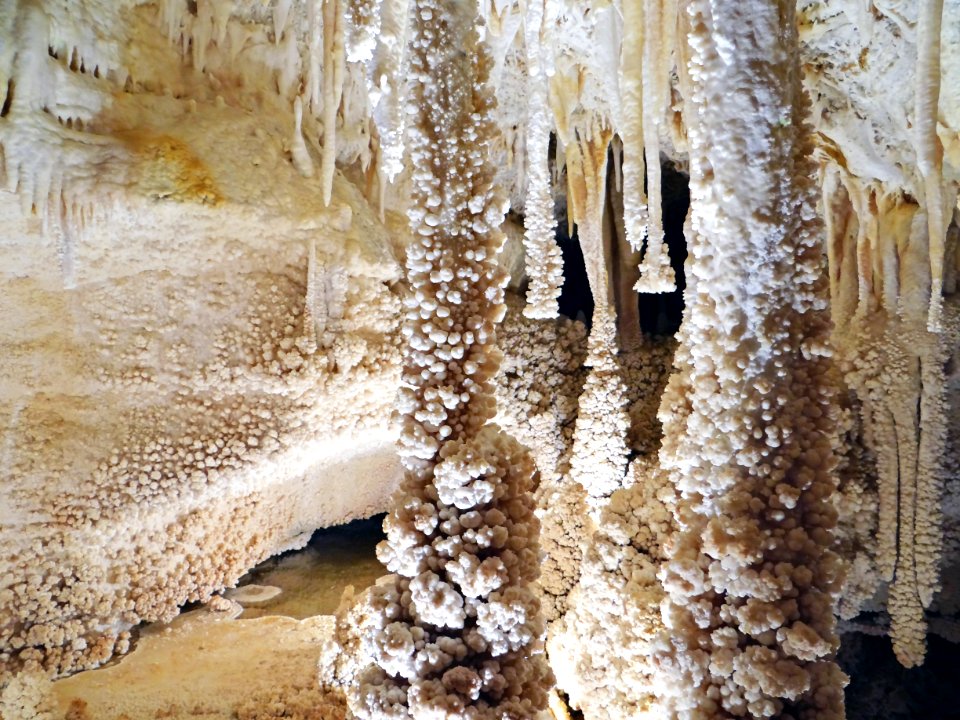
point(599, 455)
point(543, 258)
point(749, 436)
point(459, 627)
point(604, 649)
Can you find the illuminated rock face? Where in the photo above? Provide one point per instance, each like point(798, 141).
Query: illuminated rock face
point(199, 358)
point(203, 230)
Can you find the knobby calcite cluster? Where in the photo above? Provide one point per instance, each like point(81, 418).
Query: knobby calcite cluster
point(457, 633)
point(750, 424)
point(889, 198)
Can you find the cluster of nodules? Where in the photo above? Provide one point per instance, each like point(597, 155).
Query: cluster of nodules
point(599, 460)
point(66, 614)
point(538, 384)
point(161, 466)
point(895, 365)
point(751, 576)
point(260, 389)
point(456, 295)
point(454, 631)
point(609, 637)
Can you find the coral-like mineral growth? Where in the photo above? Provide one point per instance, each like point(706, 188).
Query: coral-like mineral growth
point(458, 633)
point(750, 434)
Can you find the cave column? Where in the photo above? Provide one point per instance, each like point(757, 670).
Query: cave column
point(749, 434)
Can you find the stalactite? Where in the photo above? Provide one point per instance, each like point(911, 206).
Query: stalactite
point(313, 29)
point(389, 76)
point(281, 14)
point(624, 265)
point(929, 147)
point(915, 402)
point(880, 279)
point(44, 153)
point(201, 33)
point(656, 273)
point(586, 154)
point(599, 455)
point(333, 59)
point(459, 627)
point(841, 229)
point(544, 261)
point(635, 216)
point(749, 437)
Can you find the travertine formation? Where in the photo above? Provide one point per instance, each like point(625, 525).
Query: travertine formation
point(889, 186)
point(459, 631)
point(167, 418)
point(750, 433)
point(895, 364)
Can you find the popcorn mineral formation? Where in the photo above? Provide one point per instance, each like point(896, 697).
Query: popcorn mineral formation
point(231, 230)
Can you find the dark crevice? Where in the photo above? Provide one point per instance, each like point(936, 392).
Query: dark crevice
point(662, 313)
point(881, 687)
point(576, 301)
point(8, 99)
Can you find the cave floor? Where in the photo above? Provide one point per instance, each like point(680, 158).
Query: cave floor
point(241, 656)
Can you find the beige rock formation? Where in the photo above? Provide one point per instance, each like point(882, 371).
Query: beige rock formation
point(203, 234)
